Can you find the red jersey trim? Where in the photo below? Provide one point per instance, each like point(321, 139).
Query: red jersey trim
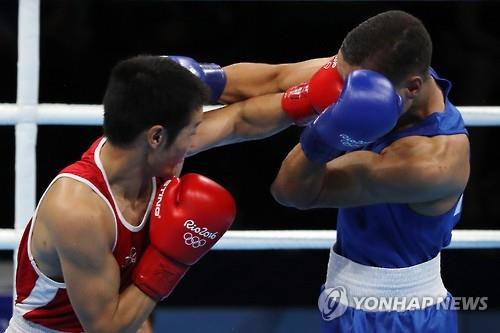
point(122, 218)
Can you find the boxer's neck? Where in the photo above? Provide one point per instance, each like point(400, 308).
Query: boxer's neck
point(126, 172)
point(430, 100)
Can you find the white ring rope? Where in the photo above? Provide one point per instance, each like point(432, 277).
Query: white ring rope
point(324, 239)
point(65, 114)
point(91, 114)
point(300, 239)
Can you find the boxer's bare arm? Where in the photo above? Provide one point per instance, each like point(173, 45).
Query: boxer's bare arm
point(146, 327)
point(252, 119)
point(428, 173)
point(79, 223)
point(246, 80)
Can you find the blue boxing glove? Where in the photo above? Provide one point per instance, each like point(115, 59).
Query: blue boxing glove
point(367, 109)
point(211, 74)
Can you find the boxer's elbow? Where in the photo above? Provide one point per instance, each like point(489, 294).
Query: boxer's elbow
point(279, 195)
point(289, 197)
point(111, 328)
point(110, 323)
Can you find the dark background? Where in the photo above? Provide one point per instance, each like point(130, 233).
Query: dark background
point(81, 40)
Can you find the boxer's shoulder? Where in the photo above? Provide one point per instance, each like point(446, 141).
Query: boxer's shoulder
point(438, 166)
point(72, 207)
point(438, 148)
point(69, 216)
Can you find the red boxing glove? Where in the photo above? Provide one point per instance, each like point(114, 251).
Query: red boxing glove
point(304, 102)
point(295, 102)
point(190, 215)
point(325, 86)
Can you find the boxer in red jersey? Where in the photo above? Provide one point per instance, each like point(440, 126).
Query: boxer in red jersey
point(85, 261)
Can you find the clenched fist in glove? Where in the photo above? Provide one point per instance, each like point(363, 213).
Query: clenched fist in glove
point(190, 214)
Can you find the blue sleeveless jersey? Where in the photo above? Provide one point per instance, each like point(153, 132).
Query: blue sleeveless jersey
point(392, 235)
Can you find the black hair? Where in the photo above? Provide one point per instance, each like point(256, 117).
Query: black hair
point(144, 91)
point(393, 43)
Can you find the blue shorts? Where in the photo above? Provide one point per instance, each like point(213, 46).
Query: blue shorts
point(432, 319)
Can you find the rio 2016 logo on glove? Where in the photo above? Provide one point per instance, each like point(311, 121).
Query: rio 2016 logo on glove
point(332, 63)
point(193, 241)
point(351, 143)
point(204, 232)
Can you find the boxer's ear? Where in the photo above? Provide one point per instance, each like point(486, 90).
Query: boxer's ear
point(412, 87)
point(156, 137)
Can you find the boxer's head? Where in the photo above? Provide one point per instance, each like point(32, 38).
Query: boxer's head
point(153, 105)
point(393, 43)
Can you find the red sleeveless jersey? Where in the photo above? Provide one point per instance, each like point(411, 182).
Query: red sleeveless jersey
point(43, 303)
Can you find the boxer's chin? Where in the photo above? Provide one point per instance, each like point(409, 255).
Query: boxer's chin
point(171, 169)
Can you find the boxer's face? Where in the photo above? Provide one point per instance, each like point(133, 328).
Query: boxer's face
point(408, 89)
point(166, 159)
point(343, 67)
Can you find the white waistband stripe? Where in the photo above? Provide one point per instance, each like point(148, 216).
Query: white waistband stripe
point(402, 285)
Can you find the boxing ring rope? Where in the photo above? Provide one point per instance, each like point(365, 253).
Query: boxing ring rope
point(91, 114)
point(299, 239)
point(27, 114)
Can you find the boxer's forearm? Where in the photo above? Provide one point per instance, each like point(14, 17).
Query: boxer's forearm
point(146, 327)
point(133, 309)
point(126, 313)
point(252, 119)
point(246, 80)
point(299, 181)
point(260, 117)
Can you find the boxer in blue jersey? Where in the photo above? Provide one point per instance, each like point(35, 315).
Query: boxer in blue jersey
point(389, 150)
point(393, 155)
